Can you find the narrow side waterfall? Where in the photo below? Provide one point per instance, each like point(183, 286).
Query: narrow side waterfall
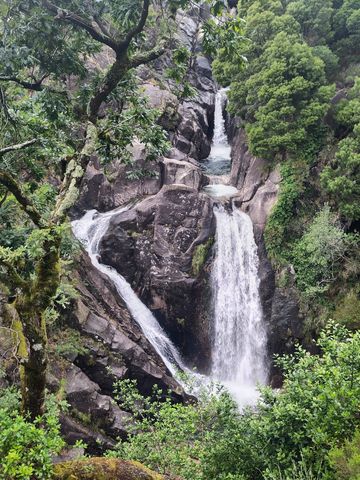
point(239, 348)
point(89, 230)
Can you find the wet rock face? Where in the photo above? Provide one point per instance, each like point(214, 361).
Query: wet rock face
point(113, 348)
point(258, 185)
point(162, 233)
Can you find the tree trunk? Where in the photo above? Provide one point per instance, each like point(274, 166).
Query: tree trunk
point(34, 376)
point(31, 307)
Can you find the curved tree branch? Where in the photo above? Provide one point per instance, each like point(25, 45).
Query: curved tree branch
point(26, 204)
point(143, 58)
point(35, 86)
point(123, 45)
point(93, 28)
point(19, 146)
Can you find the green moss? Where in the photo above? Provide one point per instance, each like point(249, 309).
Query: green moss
point(347, 311)
point(200, 255)
point(103, 469)
point(68, 342)
point(181, 321)
point(83, 417)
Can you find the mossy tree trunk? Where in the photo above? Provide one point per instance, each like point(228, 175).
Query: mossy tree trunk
point(31, 307)
point(35, 294)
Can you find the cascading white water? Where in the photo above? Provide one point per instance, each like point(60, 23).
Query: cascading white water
point(89, 230)
point(218, 161)
point(220, 137)
point(239, 344)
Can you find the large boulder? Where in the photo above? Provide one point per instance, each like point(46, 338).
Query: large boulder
point(182, 173)
point(95, 190)
point(98, 468)
point(165, 102)
point(164, 234)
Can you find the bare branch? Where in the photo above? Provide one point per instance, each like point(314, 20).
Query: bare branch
point(19, 146)
point(26, 204)
point(143, 58)
point(138, 29)
point(35, 86)
point(92, 28)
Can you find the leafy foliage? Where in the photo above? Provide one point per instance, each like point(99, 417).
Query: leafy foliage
point(289, 436)
point(320, 253)
point(341, 179)
point(316, 408)
point(170, 438)
point(346, 459)
point(26, 449)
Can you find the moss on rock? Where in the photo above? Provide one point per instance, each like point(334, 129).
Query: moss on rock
point(200, 255)
point(98, 468)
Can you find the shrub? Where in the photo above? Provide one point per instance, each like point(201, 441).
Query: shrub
point(287, 437)
point(171, 438)
point(26, 448)
point(200, 255)
point(347, 311)
point(295, 428)
point(318, 255)
point(346, 459)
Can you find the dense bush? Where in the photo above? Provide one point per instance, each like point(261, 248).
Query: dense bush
point(171, 438)
point(288, 437)
point(26, 449)
point(293, 430)
point(320, 253)
point(346, 459)
point(341, 179)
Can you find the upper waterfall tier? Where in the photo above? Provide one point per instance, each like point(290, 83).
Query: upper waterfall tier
point(218, 162)
point(239, 343)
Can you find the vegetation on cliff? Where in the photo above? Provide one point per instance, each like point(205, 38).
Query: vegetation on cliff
point(294, 73)
point(298, 98)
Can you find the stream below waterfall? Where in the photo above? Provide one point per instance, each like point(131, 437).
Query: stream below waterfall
point(238, 331)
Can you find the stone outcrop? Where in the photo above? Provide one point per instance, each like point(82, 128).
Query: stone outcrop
point(103, 469)
point(161, 235)
point(104, 318)
point(257, 183)
point(182, 173)
point(112, 347)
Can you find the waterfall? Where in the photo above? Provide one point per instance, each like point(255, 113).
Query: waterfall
point(218, 161)
point(89, 230)
point(220, 137)
point(239, 343)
